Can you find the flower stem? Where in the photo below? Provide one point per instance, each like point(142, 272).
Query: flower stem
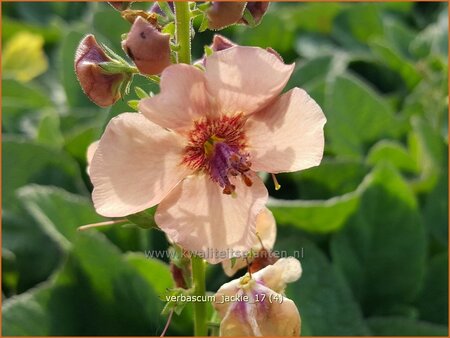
point(183, 40)
point(198, 275)
point(183, 31)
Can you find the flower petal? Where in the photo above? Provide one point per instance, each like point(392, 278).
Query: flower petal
point(199, 217)
point(183, 98)
point(266, 229)
point(135, 165)
point(245, 79)
point(276, 276)
point(278, 318)
point(287, 135)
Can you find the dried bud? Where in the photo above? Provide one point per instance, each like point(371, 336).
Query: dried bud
point(257, 10)
point(224, 14)
point(147, 47)
point(101, 87)
point(120, 5)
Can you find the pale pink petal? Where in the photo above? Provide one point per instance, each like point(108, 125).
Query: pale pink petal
point(92, 148)
point(230, 269)
point(136, 165)
point(183, 98)
point(276, 276)
point(271, 314)
point(200, 218)
point(266, 229)
point(278, 318)
point(245, 79)
point(226, 290)
point(287, 135)
point(239, 321)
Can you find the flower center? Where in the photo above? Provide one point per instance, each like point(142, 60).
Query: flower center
point(217, 146)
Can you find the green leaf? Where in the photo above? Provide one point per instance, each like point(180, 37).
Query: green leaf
point(398, 326)
point(102, 27)
point(315, 216)
point(23, 57)
point(107, 293)
point(396, 62)
point(382, 249)
point(20, 100)
point(433, 299)
point(314, 16)
point(49, 132)
point(356, 115)
point(356, 24)
point(31, 248)
point(58, 212)
point(273, 33)
point(323, 298)
point(50, 33)
point(429, 150)
point(435, 212)
point(331, 178)
point(25, 162)
point(395, 153)
point(323, 216)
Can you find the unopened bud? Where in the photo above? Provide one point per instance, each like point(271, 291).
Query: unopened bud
point(224, 14)
point(102, 87)
point(220, 43)
point(257, 10)
point(147, 47)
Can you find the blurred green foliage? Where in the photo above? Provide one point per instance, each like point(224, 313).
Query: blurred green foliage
point(371, 221)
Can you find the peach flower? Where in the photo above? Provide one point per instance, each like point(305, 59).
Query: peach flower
point(256, 306)
point(196, 146)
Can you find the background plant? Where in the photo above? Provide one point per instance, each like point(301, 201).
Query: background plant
point(372, 219)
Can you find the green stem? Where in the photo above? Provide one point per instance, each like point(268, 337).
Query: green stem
point(183, 31)
point(198, 275)
point(183, 40)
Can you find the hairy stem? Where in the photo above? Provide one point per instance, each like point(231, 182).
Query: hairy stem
point(198, 275)
point(183, 40)
point(183, 31)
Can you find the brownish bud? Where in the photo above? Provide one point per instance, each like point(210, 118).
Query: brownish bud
point(156, 8)
point(257, 9)
point(224, 14)
point(147, 47)
point(178, 276)
point(102, 88)
point(220, 43)
point(120, 5)
point(263, 258)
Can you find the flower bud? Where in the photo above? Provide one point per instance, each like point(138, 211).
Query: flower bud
point(257, 10)
point(156, 8)
point(147, 47)
point(256, 306)
point(220, 43)
point(101, 87)
point(224, 14)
